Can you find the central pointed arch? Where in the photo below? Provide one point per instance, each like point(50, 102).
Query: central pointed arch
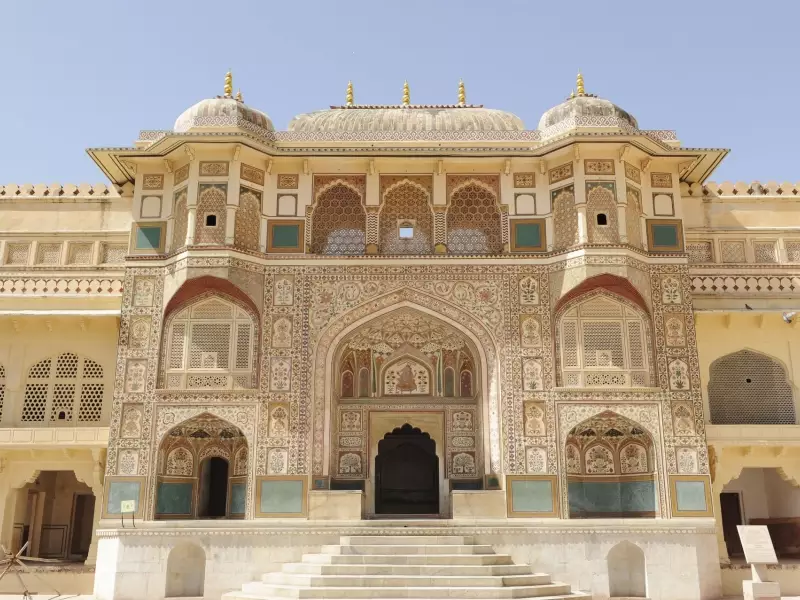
point(481, 340)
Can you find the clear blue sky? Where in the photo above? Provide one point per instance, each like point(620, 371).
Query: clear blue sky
point(77, 74)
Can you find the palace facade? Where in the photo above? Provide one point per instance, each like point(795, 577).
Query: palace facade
point(422, 326)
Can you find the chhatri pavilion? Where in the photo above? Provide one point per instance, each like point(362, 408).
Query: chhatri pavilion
point(400, 351)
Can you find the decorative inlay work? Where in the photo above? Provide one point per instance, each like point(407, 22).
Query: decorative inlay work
point(765, 252)
point(632, 173)
point(17, 254)
point(113, 254)
point(288, 181)
point(633, 216)
point(48, 253)
point(79, 253)
point(211, 200)
point(152, 182)
point(595, 166)
point(248, 220)
point(732, 251)
point(339, 220)
point(565, 218)
point(524, 180)
point(661, 180)
point(560, 173)
point(181, 175)
point(180, 225)
point(700, 252)
point(214, 169)
point(251, 174)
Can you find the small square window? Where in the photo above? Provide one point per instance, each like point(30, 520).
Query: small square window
point(406, 231)
point(602, 219)
point(211, 220)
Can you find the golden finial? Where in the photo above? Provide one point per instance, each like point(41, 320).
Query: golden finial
point(349, 95)
point(581, 90)
point(239, 95)
point(228, 84)
point(572, 94)
point(462, 92)
point(406, 94)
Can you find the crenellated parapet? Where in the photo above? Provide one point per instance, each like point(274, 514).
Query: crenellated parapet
point(57, 190)
point(741, 188)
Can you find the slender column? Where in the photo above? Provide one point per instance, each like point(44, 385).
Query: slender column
point(191, 220)
point(621, 223)
point(91, 558)
point(583, 235)
point(230, 225)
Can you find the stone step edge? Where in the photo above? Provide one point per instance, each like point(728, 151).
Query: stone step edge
point(359, 576)
point(250, 596)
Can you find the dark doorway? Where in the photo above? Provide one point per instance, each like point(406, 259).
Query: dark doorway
point(731, 507)
point(82, 521)
point(407, 473)
point(213, 488)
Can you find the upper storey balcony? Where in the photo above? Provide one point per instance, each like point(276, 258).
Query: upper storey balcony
point(405, 180)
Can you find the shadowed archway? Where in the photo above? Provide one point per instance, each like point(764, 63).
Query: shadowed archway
point(407, 473)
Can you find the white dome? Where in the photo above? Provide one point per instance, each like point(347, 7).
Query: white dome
point(223, 112)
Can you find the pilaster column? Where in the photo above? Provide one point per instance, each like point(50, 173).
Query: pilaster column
point(622, 223)
point(230, 225)
point(372, 230)
point(440, 229)
point(262, 234)
point(91, 558)
point(583, 232)
point(191, 224)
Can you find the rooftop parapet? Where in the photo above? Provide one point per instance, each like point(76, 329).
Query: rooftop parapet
point(741, 188)
point(56, 190)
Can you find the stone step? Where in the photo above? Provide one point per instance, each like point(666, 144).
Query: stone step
point(399, 581)
point(406, 559)
point(241, 595)
point(406, 540)
point(364, 549)
point(446, 570)
point(291, 591)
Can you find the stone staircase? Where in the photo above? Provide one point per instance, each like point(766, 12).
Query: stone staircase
point(394, 567)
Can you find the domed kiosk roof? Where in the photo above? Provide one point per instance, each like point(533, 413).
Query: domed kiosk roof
point(406, 117)
point(586, 110)
point(223, 112)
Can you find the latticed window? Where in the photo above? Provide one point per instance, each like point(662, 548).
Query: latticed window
point(749, 388)
point(64, 389)
point(210, 346)
point(338, 223)
point(181, 220)
point(603, 343)
point(406, 221)
point(601, 214)
point(474, 224)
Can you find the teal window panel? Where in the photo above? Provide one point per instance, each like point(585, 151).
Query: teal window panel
point(614, 497)
point(528, 235)
point(121, 491)
point(665, 236)
point(238, 497)
point(532, 496)
point(285, 236)
point(148, 238)
point(174, 498)
point(281, 497)
point(691, 496)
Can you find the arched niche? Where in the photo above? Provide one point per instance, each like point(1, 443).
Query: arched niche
point(186, 572)
point(330, 341)
point(750, 388)
point(627, 573)
point(203, 474)
point(611, 469)
point(338, 220)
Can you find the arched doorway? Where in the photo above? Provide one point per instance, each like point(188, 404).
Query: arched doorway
point(202, 470)
point(407, 473)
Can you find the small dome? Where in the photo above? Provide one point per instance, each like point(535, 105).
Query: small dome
point(587, 111)
point(223, 112)
point(413, 118)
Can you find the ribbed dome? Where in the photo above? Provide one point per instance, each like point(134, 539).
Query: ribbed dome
point(587, 111)
point(418, 118)
point(223, 112)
